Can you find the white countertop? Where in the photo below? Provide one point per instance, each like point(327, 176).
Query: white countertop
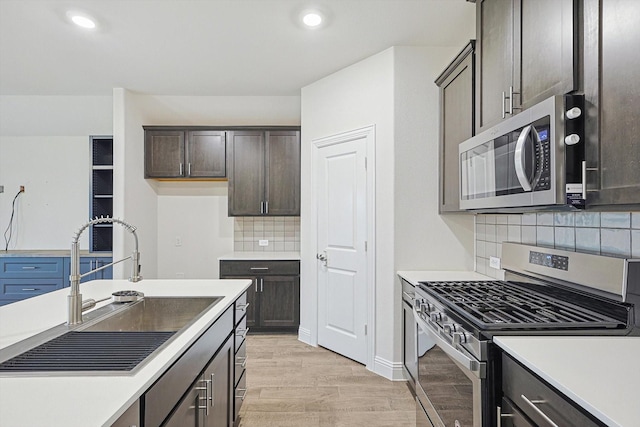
point(51, 253)
point(284, 256)
point(600, 374)
point(414, 277)
point(94, 400)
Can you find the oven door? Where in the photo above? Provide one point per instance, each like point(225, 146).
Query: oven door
point(449, 386)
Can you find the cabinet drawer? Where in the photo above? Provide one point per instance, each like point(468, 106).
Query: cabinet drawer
point(239, 393)
point(259, 268)
point(241, 308)
point(535, 398)
point(511, 417)
point(35, 267)
point(241, 332)
point(240, 362)
point(16, 289)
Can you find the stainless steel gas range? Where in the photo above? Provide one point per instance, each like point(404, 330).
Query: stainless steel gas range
point(545, 292)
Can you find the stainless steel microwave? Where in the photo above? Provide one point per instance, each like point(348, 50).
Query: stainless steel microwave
point(534, 159)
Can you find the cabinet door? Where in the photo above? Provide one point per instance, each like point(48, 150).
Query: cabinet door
point(107, 273)
point(164, 154)
point(206, 154)
point(282, 173)
point(456, 124)
point(252, 300)
point(279, 301)
point(494, 56)
point(190, 411)
point(612, 89)
point(543, 48)
point(246, 172)
point(217, 377)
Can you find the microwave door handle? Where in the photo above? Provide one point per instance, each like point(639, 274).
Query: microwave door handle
point(519, 158)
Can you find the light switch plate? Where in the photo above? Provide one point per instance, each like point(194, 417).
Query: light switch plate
point(263, 243)
point(494, 262)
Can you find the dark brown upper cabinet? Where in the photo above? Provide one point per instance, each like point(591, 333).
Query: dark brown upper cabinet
point(612, 90)
point(525, 52)
point(456, 85)
point(264, 172)
point(182, 153)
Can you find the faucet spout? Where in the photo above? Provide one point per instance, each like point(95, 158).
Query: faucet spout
point(75, 297)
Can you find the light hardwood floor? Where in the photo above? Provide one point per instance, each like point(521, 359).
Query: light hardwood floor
point(291, 384)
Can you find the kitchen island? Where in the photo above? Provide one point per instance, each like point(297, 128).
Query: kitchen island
point(95, 400)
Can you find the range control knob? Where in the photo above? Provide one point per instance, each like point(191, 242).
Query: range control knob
point(450, 328)
point(572, 139)
point(436, 317)
point(419, 304)
point(574, 113)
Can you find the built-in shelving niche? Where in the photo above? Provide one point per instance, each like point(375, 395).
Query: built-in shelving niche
point(101, 204)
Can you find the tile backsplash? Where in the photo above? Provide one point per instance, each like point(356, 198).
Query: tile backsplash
point(281, 232)
point(606, 233)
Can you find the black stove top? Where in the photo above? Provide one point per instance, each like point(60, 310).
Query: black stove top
point(501, 305)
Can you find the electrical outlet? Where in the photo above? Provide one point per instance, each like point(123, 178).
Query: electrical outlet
point(178, 241)
point(494, 262)
point(263, 243)
point(179, 275)
point(1, 188)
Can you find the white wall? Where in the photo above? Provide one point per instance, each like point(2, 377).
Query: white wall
point(194, 211)
point(44, 145)
point(394, 91)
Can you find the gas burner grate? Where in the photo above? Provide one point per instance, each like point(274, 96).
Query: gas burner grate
point(505, 305)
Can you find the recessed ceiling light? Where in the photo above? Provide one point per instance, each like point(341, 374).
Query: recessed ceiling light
point(312, 19)
point(82, 19)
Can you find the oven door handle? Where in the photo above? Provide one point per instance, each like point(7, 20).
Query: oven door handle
point(479, 369)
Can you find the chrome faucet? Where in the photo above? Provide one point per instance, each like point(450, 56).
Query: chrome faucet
point(76, 306)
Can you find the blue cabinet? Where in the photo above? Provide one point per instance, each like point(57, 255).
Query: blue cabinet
point(28, 276)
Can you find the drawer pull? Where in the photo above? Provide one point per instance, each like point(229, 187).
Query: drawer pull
point(259, 268)
point(242, 307)
point(242, 332)
point(29, 267)
point(244, 393)
point(241, 361)
point(29, 289)
point(533, 403)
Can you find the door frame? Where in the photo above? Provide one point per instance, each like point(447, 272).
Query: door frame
point(368, 134)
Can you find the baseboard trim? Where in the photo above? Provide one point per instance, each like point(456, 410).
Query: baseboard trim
point(304, 335)
point(390, 370)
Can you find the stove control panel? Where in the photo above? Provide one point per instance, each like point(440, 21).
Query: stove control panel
point(548, 260)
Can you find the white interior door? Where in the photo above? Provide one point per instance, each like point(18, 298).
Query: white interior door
point(341, 179)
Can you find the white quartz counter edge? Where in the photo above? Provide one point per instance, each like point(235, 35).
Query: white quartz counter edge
point(94, 400)
point(600, 374)
point(414, 277)
point(284, 256)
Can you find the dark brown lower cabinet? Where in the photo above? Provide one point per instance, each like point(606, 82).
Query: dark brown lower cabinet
point(274, 295)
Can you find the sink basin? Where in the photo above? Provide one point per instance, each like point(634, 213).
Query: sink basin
point(118, 342)
point(154, 314)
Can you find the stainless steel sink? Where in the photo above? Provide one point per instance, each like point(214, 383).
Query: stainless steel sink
point(154, 314)
point(115, 339)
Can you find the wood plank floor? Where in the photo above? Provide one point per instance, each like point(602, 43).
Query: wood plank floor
point(291, 384)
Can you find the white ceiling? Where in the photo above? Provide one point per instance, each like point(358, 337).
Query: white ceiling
point(208, 47)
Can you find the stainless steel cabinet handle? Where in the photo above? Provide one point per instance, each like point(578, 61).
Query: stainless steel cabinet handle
point(189, 168)
point(242, 307)
point(500, 416)
point(504, 100)
point(261, 284)
point(241, 361)
point(181, 169)
point(244, 393)
point(408, 296)
point(29, 267)
point(266, 207)
point(206, 396)
point(259, 268)
point(242, 332)
point(29, 289)
point(211, 394)
point(533, 403)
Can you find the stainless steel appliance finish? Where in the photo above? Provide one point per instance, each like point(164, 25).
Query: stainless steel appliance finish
point(534, 159)
point(409, 329)
point(547, 291)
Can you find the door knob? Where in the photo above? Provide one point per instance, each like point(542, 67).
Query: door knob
point(322, 257)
